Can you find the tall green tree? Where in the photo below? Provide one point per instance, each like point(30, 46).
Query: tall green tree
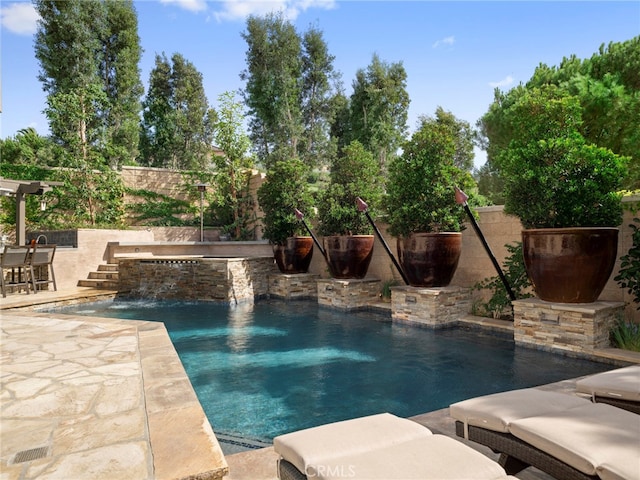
point(289, 85)
point(378, 109)
point(91, 46)
point(233, 168)
point(176, 126)
point(28, 147)
point(319, 83)
point(607, 90)
point(88, 52)
point(120, 74)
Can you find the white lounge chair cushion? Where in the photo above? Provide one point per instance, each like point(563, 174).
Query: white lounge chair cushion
point(495, 412)
point(318, 445)
point(436, 457)
point(622, 383)
point(595, 439)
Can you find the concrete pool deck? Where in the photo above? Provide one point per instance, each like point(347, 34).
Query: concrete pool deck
point(86, 397)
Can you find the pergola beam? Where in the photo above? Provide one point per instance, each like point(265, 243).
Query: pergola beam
point(18, 189)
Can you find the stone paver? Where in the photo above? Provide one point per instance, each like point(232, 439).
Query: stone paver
point(98, 399)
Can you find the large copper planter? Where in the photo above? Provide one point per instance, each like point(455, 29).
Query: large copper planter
point(348, 256)
point(430, 259)
point(569, 265)
point(295, 256)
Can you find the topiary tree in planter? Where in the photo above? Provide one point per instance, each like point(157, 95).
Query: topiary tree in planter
point(348, 238)
point(420, 203)
point(284, 190)
point(555, 180)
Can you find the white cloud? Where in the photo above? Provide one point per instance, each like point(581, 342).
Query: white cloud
point(505, 82)
point(191, 5)
point(445, 41)
point(240, 9)
point(20, 18)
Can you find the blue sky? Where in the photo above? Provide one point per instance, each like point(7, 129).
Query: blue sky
point(455, 52)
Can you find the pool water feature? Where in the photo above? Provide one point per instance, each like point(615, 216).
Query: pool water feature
point(272, 367)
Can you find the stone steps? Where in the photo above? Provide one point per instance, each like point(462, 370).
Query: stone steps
point(106, 278)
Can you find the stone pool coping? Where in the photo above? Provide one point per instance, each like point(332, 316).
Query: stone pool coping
point(88, 397)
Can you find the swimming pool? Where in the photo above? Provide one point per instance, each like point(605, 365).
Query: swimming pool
point(264, 369)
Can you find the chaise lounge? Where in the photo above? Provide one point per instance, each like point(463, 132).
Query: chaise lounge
point(564, 435)
point(383, 447)
point(619, 387)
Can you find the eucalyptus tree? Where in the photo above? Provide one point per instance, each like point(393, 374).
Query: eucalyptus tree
point(175, 131)
point(120, 74)
point(89, 52)
point(378, 108)
point(289, 85)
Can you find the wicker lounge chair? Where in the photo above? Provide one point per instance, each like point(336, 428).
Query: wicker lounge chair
point(620, 387)
point(563, 435)
point(383, 447)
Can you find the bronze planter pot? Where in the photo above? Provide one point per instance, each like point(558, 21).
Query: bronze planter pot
point(348, 256)
point(430, 259)
point(295, 256)
point(569, 265)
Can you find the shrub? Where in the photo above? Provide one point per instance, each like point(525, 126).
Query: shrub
point(355, 173)
point(284, 190)
point(629, 274)
point(499, 305)
point(553, 178)
point(626, 335)
point(421, 186)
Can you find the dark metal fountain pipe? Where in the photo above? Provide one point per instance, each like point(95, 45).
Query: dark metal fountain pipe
point(300, 216)
point(363, 207)
point(461, 199)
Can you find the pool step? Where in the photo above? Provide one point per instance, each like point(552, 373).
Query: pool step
point(106, 277)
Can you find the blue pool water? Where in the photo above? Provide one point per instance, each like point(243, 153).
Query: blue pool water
point(273, 367)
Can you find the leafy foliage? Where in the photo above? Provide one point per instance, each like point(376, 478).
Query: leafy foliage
point(626, 335)
point(233, 167)
point(499, 305)
point(553, 177)
point(159, 210)
point(284, 190)
point(289, 84)
point(354, 173)
point(629, 274)
point(87, 198)
point(175, 130)
point(89, 52)
point(378, 109)
point(606, 89)
point(27, 147)
point(422, 181)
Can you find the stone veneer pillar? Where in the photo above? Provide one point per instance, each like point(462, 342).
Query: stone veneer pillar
point(431, 307)
point(293, 286)
point(568, 327)
point(348, 294)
